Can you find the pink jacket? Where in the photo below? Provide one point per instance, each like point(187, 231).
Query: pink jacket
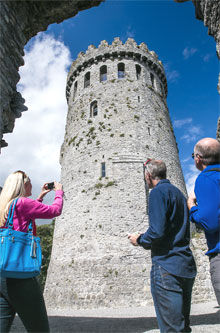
point(27, 209)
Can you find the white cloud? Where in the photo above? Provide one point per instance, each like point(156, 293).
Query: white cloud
point(195, 130)
point(34, 146)
point(191, 132)
point(181, 122)
point(186, 160)
point(207, 57)
point(130, 32)
point(191, 174)
point(188, 138)
point(189, 52)
point(172, 75)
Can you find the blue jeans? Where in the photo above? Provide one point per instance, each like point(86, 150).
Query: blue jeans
point(24, 297)
point(172, 300)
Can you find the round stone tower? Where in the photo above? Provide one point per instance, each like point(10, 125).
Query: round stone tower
point(117, 118)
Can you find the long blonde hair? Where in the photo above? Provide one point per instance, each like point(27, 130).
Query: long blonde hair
point(13, 188)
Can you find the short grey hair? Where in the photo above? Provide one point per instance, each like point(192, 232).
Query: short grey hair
point(157, 169)
point(209, 154)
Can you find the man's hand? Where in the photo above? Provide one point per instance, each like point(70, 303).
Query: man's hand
point(133, 238)
point(191, 200)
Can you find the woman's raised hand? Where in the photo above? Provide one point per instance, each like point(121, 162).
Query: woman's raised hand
point(58, 186)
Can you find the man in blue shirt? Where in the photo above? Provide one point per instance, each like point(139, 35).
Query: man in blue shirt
point(204, 204)
point(173, 267)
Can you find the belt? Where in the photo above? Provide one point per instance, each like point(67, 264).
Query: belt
point(213, 255)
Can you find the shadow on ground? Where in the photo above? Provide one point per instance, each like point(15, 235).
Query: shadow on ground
point(112, 325)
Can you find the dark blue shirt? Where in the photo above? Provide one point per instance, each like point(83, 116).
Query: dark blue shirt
point(207, 212)
point(168, 235)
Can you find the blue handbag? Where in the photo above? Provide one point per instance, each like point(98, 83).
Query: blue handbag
point(20, 252)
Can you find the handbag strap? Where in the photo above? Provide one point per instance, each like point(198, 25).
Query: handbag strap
point(213, 169)
point(9, 222)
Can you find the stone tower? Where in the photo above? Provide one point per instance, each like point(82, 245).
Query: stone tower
point(117, 118)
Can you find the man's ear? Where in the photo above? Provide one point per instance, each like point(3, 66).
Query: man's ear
point(148, 176)
point(198, 162)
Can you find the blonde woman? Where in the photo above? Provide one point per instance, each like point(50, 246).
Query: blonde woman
point(24, 296)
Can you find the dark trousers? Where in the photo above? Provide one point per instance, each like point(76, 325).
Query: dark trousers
point(172, 300)
point(24, 297)
point(215, 274)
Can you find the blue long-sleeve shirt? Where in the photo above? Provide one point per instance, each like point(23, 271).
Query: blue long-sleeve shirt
point(168, 235)
point(207, 212)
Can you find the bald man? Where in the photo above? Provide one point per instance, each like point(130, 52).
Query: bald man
point(204, 203)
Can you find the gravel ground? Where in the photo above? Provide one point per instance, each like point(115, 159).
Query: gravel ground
point(205, 318)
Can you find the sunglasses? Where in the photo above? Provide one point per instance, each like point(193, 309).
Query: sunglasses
point(147, 161)
point(193, 156)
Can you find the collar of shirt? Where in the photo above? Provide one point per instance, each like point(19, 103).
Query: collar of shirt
point(211, 166)
point(163, 181)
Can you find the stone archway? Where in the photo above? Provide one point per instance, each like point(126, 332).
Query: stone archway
point(20, 21)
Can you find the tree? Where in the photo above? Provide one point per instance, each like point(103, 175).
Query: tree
point(45, 232)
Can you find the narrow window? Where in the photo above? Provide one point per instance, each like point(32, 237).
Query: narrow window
point(103, 173)
point(75, 90)
point(121, 70)
point(138, 71)
point(139, 99)
point(93, 109)
point(87, 80)
point(152, 79)
point(103, 73)
point(148, 130)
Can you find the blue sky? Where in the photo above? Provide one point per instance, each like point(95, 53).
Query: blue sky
point(170, 29)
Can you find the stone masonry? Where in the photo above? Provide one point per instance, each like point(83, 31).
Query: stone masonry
point(117, 117)
point(19, 21)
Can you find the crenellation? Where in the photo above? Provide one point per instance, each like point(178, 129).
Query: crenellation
point(144, 47)
point(116, 51)
point(117, 42)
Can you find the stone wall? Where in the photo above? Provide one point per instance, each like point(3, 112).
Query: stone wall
point(98, 265)
point(202, 289)
point(19, 21)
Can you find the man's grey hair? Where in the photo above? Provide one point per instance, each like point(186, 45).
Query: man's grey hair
point(157, 169)
point(209, 154)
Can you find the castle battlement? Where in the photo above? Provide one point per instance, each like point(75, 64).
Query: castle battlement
point(116, 51)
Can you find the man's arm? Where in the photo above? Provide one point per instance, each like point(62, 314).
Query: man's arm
point(157, 219)
point(206, 212)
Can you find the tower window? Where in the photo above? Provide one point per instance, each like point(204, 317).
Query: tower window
point(103, 73)
point(139, 99)
point(75, 90)
point(93, 109)
point(87, 80)
point(121, 70)
point(152, 79)
point(103, 171)
point(138, 71)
